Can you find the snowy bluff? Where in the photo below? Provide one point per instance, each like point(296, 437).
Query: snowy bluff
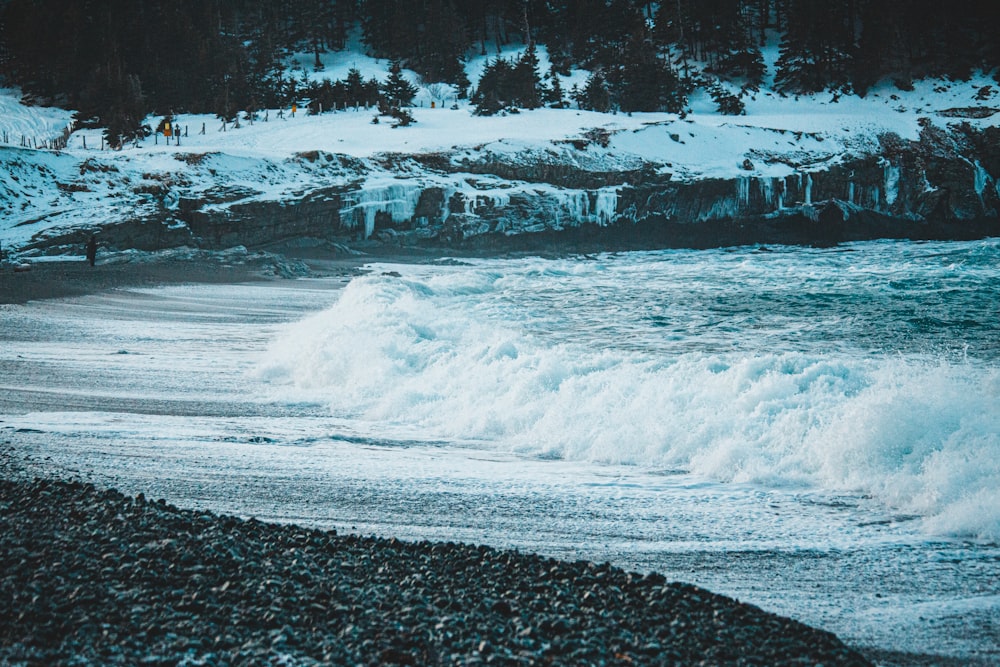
point(574, 195)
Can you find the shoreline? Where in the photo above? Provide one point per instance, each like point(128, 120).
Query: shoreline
point(69, 277)
point(92, 574)
point(223, 270)
point(524, 599)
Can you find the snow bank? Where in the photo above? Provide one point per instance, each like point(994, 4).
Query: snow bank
point(779, 136)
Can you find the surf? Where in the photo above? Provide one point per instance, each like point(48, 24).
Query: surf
point(522, 356)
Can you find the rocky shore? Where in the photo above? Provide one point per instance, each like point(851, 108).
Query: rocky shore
point(91, 576)
point(607, 189)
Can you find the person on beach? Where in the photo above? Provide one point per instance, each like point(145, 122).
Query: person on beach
point(92, 249)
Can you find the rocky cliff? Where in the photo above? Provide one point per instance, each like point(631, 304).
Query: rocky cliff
point(583, 194)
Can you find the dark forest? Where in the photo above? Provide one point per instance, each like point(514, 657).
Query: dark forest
point(115, 61)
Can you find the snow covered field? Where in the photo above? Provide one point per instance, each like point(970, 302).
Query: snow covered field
point(275, 160)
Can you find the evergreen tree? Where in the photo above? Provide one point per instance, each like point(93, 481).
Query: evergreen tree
point(124, 120)
point(355, 87)
point(525, 85)
point(397, 90)
point(645, 81)
point(505, 84)
point(378, 23)
point(441, 43)
point(576, 95)
point(727, 103)
point(492, 92)
point(817, 49)
point(553, 94)
point(595, 96)
point(225, 56)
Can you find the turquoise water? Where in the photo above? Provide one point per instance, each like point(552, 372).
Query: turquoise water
point(869, 368)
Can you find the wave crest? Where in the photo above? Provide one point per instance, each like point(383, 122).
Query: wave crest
point(919, 434)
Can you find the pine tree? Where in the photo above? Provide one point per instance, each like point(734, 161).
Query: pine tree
point(644, 81)
point(817, 49)
point(553, 94)
point(355, 87)
point(525, 83)
point(124, 120)
point(492, 91)
point(595, 95)
point(441, 43)
point(576, 95)
point(397, 90)
point(727, 103)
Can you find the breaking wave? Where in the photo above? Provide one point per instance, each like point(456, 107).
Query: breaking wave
point(443, 355)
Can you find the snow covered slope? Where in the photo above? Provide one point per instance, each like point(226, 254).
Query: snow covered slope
point(453, 175)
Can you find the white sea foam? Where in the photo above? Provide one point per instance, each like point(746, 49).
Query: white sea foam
point(424, 353)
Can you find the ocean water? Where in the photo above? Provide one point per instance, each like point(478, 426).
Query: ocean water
point(869, 369)
point(816, 431)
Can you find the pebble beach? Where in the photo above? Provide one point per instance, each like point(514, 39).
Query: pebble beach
point(91, 576)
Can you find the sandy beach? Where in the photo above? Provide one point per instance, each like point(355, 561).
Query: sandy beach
point(49, 278)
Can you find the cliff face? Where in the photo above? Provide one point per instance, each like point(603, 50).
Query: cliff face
point(574, 195)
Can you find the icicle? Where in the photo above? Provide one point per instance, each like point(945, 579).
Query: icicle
point(809, 190)
point(494, 200)
point(743, 191)
point(850, 192)
point(772, 190)
point(766, 191)
point(577, 206)
point(721, 208)
point(606, 205)
point(981, 179)
point(397, 200)
point(891, 184)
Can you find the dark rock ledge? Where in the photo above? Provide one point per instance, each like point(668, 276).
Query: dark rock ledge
point(92, 577)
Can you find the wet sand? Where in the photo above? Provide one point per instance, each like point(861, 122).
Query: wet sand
point(69, 277)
